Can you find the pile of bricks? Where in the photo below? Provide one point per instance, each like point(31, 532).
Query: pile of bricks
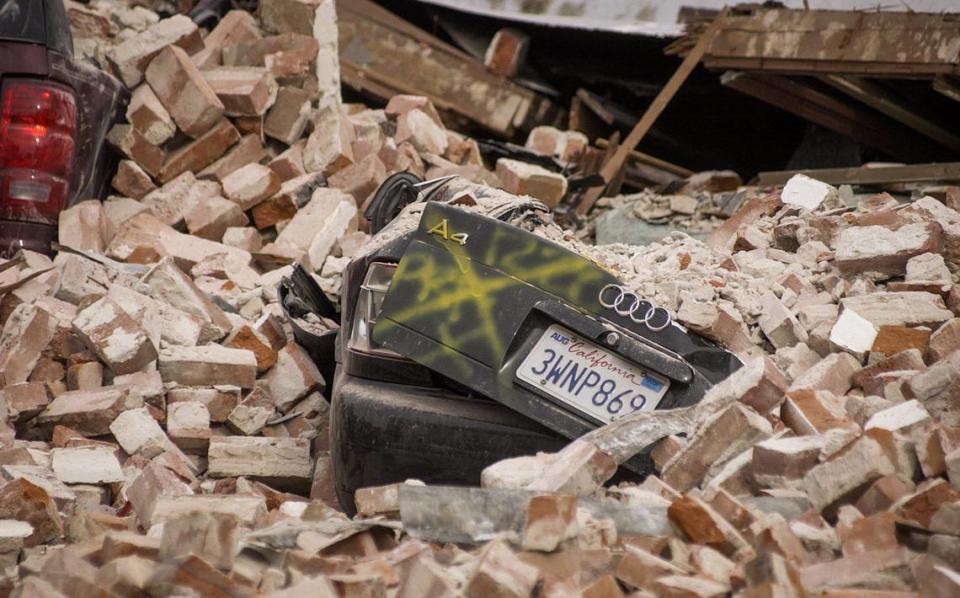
point(161, 433)
point(830, 463)
point(239, 137)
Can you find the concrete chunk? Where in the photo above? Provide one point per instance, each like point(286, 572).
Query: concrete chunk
point(853, 332)
point(805, 192)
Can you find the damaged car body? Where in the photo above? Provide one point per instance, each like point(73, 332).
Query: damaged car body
point(55, 112)
point(470, 339)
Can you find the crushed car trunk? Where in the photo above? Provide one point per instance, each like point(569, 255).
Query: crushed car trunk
point(540, 329)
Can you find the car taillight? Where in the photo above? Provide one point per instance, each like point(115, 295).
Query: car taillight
point(38, 124)
point(369, 303)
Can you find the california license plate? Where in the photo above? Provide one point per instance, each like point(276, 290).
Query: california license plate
point(589, 378)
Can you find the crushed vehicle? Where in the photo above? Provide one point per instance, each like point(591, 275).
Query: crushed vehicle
point(54, 116)
point(470, 339)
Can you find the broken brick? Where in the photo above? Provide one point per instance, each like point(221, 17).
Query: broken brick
point(521, 178)
point(184, 92)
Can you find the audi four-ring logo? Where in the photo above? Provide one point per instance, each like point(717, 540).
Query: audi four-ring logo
point(629, 304)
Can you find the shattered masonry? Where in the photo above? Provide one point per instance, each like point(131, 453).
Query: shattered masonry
point(163, 434)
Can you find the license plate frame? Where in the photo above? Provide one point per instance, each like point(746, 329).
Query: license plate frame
point(565, 377)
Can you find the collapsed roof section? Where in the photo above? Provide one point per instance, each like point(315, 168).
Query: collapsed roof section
point(880, 44)
point(657, 18)
point(382, 55)
point(880, 78)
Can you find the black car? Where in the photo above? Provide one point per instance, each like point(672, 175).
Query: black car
point(54, 116)
point(470, 340)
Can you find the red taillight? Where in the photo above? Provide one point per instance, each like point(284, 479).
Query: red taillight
point(38, 122)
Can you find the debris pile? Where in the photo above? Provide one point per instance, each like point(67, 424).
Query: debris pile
point(239, 139)
point(698, 205)
point(162, 433)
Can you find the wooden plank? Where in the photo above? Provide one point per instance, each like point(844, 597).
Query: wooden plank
point(659, 104)
point(948, 87)
point(382, 55)
point(595, 106)
point(871, 129)
point(880, 100)
point(815, 67)
point(649, 160)
point(913, 173)
point(921, 42)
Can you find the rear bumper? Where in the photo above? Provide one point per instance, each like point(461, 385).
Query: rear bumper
point(15, 236)
point(383, 433)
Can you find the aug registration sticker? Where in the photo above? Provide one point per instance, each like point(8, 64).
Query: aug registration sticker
point(589, 378)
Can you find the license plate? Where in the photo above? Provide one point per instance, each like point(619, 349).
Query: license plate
point(589, 378)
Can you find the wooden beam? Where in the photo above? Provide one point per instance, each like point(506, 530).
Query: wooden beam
point(596, 107)
point(382, 55)
point(882, 101)
point(788, 66)
point(947, 86)
point(913, 173)
point(649, 160)
point(656, 108)
point(886, 44)
point(868, 128)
